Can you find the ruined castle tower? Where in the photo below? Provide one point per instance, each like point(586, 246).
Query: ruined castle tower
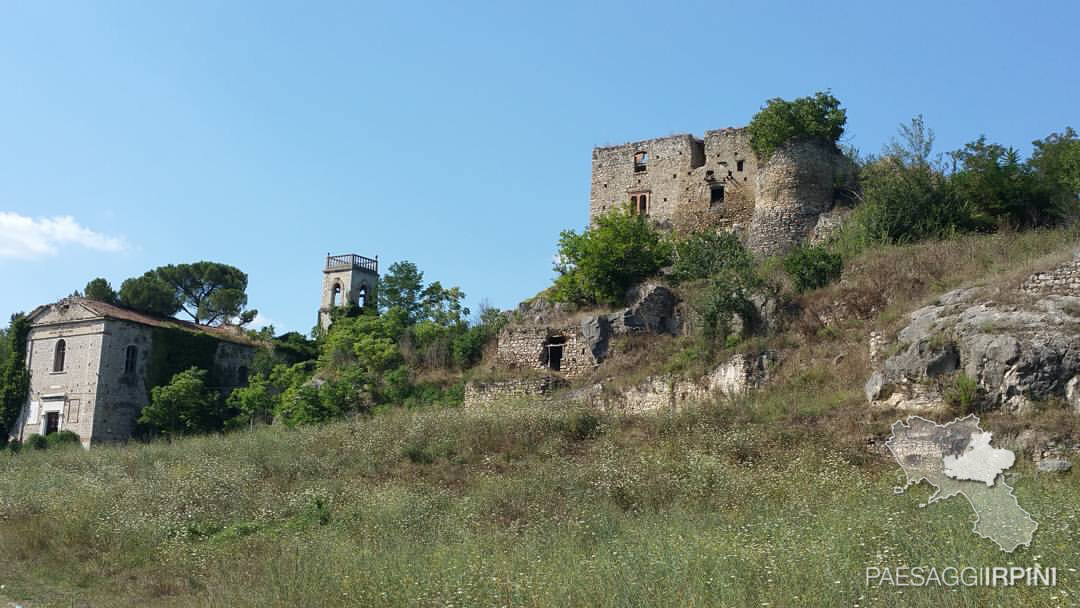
point(348, 280)
point(688, 184)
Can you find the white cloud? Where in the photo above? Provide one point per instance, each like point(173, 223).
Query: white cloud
point(28, 238)
point(260, 321)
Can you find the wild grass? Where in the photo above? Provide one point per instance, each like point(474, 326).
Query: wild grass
point(769, 500)
point(511, 506)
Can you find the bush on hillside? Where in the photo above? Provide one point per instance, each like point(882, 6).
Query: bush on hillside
point(705, 254)
point(184, 406)
point(781, 121)
point(37, 442)
point(599, 265)
point(811, 267)
point(61, 438)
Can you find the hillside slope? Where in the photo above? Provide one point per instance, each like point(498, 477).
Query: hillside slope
point(771, 499)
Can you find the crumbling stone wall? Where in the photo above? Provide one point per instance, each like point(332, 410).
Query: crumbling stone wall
point(523, 347)
point(679, 177)
point(771, 205)
point(1063, 280)
point(535, 389)
point(794, 187)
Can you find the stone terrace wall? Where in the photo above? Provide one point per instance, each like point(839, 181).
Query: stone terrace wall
point(487, 393)
point(1063, 280)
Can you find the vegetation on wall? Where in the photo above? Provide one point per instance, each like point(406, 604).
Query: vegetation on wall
point(781, 121)
point(599, 265)
point(14, 378)
point(174, 350)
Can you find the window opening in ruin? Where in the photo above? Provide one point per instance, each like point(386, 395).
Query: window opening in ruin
point(738, 165)
point(362, 298)
point(716, 194)
point(58, 356)
point(131, 356)
point(643, 204)
point(710, 175)
point(334, 297)
point(641, 162)
point(52, 422)
point(633, 203)
point(552, 354)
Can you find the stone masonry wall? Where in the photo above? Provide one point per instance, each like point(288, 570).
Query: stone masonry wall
point(522, 347)
point(72, 393)
point(794, 187)
point(535, 389)
point(1063, 280)
point(679, 177)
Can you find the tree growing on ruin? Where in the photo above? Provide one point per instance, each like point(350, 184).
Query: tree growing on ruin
point(599, 265)
point(781, 121)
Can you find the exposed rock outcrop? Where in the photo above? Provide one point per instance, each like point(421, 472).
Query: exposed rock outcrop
point(1017, 347)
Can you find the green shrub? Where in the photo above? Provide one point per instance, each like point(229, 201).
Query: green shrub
point(811, 267)
point(599, 265)
point(37, 442)
point(781, 121)
point(61, 438)
point(14, 446)
point(961, 395)
point(582, 425)
point(702, 255)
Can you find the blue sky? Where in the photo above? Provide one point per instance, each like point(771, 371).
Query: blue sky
point(455, 135)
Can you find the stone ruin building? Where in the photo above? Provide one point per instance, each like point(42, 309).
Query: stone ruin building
point(684, 184)
point(348, 280)
point(91, 365)
point(688, 184)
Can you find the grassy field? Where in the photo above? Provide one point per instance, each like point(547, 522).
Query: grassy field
point(768, 501)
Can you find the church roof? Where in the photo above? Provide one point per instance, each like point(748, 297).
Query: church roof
point(111, 311)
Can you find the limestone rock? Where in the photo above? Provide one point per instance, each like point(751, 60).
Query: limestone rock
point(1016, 352)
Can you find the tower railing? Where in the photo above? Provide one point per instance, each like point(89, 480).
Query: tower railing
point(351, 260)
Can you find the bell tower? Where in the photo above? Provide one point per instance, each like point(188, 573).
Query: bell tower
point(348, 280)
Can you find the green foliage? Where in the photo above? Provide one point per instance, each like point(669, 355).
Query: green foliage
point(149, 294)
point(255, 403)
point(37, 442)
point(705, 254)
point(599, 265)
point(1056, 161)
point(174, 350)
point(725, 278)
point(184, 406)
point(781, 121)
point(909, 196)
point(961, 395)
point(14, 378)
point(811, 267)
point(402, 286)
point(210, 293)
point(582, 425)
point(1000, 187)
point(61, 439)
point(100, 289)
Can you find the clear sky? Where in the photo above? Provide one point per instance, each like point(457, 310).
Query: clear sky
point(455, 135)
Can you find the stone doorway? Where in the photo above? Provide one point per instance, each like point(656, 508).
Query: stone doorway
point(52, 422)
point(552, 355)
